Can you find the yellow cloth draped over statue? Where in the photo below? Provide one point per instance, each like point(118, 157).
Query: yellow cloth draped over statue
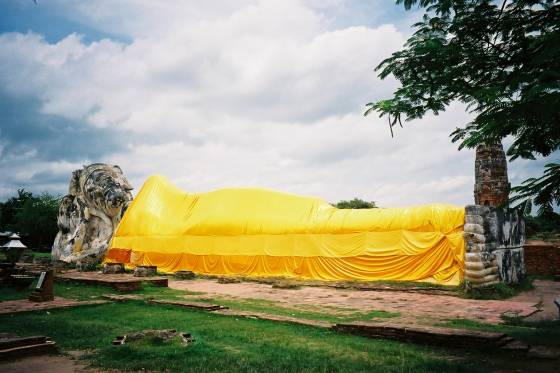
point(258, 232)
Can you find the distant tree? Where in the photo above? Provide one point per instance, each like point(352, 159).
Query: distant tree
point(355, 203)
point(502, 59)
point(37, 220)
point(34, 217)
point(11, 207)
point(546, 222)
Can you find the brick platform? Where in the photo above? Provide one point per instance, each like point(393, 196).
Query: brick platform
point(24, 305)
point(433, 335)
point(119, 281)
point(421, 306)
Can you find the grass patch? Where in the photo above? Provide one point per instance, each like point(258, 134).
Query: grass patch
point(336, 315)
point(85, 292)
point(222, 343)
point(531, 332)
point(13, 294)
point(38, 254)
point(78, 291)
point(496, 291)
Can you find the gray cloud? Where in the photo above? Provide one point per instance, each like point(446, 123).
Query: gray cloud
point(53, 137)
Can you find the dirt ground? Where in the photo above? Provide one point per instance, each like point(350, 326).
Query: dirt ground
point(544, 293)
point(45, 364)
point(409, 304)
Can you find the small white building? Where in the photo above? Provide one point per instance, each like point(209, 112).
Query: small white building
point(14, 243)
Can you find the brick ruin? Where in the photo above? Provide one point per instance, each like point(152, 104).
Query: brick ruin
point(491, 185)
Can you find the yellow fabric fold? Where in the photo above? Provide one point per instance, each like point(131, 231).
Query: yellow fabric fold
point(258, 232)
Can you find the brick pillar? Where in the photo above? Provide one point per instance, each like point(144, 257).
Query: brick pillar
point(491, 186)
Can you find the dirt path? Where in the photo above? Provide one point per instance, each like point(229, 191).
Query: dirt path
point(438, 307)
point(45, 364)
point(544, 294)
point(24, 305)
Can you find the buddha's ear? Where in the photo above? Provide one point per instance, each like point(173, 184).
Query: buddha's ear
point(126, 185)
point(75, 189)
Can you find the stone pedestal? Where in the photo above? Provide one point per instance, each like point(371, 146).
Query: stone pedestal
point(44, 290)
point(494, 241)
point(184, 275)
point(145, 271)
point(111, 268)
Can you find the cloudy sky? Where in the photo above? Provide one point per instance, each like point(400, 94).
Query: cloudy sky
point(217, 94)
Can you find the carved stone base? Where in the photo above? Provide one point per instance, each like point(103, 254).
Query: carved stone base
point(145, 271)
point(511, 264)
point(111, 268)
point(184, 275)
point(44, 290)
point(494, 239)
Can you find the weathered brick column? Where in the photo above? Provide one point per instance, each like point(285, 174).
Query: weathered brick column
point(491, 186)
point(494, 241)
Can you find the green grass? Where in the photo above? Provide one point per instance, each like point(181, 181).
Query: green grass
point(78, 291)
point(38, 254)
point(534, 333)
point(496, 291)
point(83, 292)
point(35, 254)
point(222, 343)
point(336, 315)
point(13, 294)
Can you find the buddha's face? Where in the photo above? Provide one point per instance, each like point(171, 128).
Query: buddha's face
point(108, 189)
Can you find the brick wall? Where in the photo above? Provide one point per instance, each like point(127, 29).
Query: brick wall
point(542, 258)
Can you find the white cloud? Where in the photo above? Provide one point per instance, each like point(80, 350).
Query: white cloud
point(253, 93)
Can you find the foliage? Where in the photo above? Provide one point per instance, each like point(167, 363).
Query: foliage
point(37, 219)
point(355, 203)
point(500, 58)
point(544, 191)
point(10, 208)
point(33, 217)
point(548, 222)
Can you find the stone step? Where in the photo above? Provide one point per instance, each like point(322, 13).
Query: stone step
point(33, 349)
point(515, 346)
point(7, 343)
point(505, 340)
point(120, 282)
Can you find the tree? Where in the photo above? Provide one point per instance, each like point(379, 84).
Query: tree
point(37, 220)
point(355, 203)
point(502, 59)
point(11, 207)
point(34, 217)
